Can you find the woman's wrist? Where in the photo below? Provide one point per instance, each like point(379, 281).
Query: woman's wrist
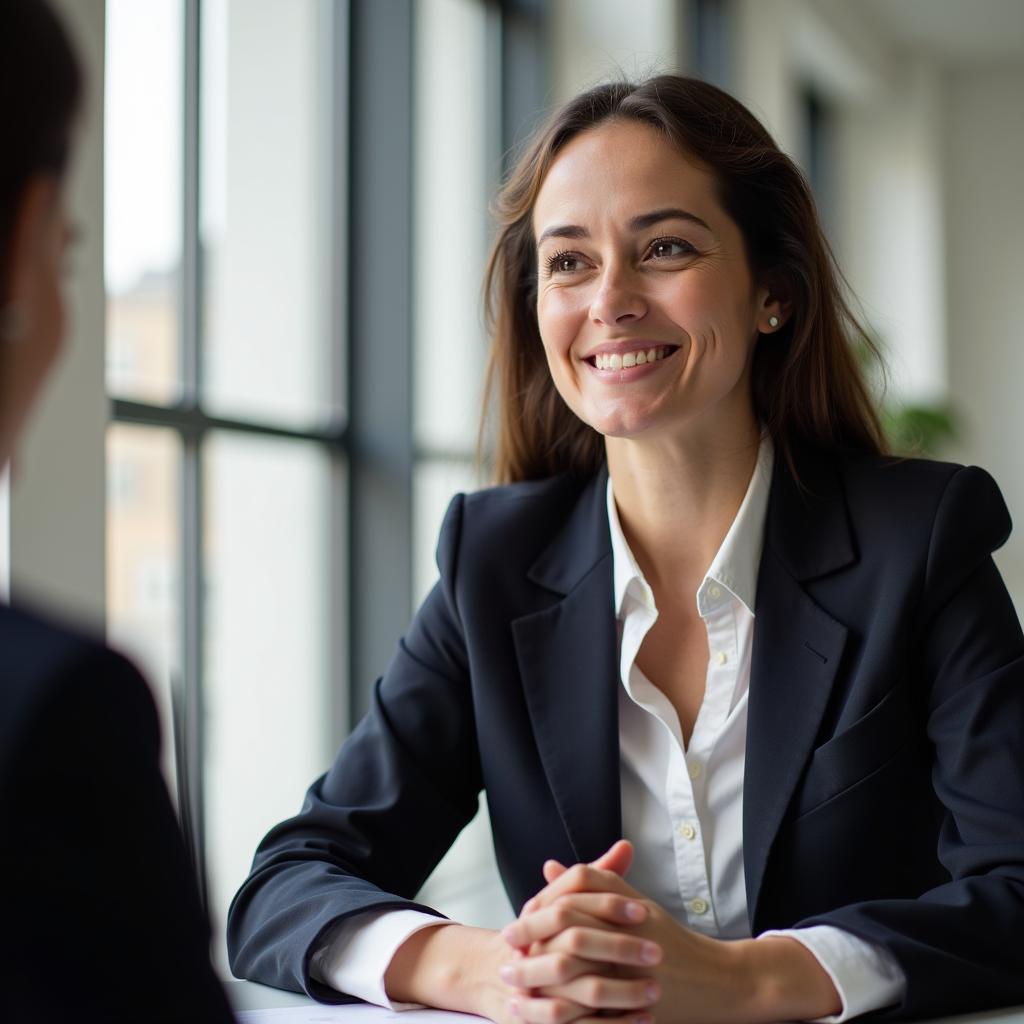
point(785, 981)
point(449, 967)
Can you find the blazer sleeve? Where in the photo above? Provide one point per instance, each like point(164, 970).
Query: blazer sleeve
point(102, 911)
point(401, 788)
point(961, 944)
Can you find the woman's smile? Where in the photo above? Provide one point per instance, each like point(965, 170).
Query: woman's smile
point(623, 364)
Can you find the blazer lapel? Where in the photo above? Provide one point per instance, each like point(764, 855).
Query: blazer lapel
point(797, 650)
point(567, 659)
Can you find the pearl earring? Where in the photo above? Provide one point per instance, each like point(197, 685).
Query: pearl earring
point(773, 321)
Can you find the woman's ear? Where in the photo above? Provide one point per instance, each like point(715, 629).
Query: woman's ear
point(775, 307)
point(28, 256)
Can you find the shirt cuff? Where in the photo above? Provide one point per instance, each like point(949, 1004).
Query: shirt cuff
point(866, 976)
point(355, 955)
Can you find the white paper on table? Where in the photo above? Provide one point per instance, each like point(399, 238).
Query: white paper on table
point(350, 1013)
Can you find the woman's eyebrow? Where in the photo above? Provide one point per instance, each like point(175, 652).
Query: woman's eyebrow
point(646, 220)
point(638, 223)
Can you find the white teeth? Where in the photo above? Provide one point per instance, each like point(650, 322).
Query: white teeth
point(615, 361)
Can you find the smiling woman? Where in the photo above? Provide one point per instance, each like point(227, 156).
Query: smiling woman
point(704, 640)
point(661, 153)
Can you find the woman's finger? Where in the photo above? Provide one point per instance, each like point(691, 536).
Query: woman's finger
point(604, 946)
point(580, 878)
point(618, 857)
point(545, 970)
point(592, 910)
point(579, 998)
point(556, 967)
point(603, 993)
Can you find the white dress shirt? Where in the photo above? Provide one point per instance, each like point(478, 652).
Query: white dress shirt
point(682, 805)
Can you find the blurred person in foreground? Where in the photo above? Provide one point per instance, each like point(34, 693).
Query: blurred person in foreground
point(100, 916)
point(745, 694)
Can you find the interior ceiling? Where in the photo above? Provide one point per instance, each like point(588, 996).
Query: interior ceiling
point(954, 31)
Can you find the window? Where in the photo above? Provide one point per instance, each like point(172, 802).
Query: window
point(226, 451)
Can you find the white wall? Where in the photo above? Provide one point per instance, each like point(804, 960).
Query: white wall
point(57, 506)
point(983, 131)
point(598, 40)
point(889, 223)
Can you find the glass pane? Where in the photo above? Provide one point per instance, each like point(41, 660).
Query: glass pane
point(265, 221)
point(268, 699)
point(143, 138)
point(143, 541)
point(451, 220)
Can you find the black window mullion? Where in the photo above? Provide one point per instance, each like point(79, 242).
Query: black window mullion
point(191, 553)
point(380, 332)
point(339, 704)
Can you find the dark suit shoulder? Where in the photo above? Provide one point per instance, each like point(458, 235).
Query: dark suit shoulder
point(517, 503)
point(44, 664)
point(511, 525)
point(905, 494)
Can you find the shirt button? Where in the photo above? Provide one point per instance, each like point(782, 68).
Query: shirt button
point(714, 592)
point(721, 657)
point(687, 831)
point(698, 906)
point(694, 769)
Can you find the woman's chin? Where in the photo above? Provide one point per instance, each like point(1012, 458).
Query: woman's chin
point(625, 421)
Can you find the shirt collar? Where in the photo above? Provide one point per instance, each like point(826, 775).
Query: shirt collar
point(736, 562)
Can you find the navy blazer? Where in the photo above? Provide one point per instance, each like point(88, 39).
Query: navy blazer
point(884, 784)
point(99, 916)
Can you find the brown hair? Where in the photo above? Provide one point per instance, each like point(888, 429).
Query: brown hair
point(40, 90)
point(807, 385)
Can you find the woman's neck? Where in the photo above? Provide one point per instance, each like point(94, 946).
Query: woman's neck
point(677, 498)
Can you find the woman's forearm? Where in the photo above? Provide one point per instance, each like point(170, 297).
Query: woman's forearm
point(450, 967)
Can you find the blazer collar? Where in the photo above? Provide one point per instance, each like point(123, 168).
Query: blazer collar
point(566, 654)
point(798, 649)
point(807, 524)
point(580, 544)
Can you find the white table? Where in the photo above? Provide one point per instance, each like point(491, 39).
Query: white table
point(247, 995)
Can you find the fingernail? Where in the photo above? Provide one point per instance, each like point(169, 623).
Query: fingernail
point(645, 1018)
point(508, 933)
point(508, 974)
point(653, 992)
point(513, 1008)
point(635, 912)
point(650, 952)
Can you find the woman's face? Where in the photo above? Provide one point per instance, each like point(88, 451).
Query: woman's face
point(647, 307)
point(35, 294)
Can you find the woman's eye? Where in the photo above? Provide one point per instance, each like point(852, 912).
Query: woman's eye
point(668, 248)
point(563, 263)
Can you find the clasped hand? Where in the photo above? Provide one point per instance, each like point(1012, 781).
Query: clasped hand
point(589, 945)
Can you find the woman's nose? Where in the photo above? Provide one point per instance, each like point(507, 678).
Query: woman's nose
point(617, 300)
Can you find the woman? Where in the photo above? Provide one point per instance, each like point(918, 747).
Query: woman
point(100, 917)
point(706, 614)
